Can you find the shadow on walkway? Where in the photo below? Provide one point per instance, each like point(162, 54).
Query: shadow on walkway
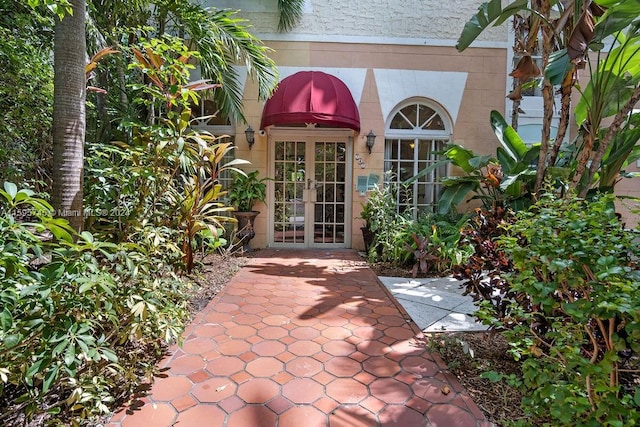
point(304, 338)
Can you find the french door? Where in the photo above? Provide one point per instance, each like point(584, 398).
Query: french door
point(311, 192)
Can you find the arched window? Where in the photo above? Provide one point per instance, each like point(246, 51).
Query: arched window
point(415, 132)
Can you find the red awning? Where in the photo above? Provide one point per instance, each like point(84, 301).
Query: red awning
point(311, 97)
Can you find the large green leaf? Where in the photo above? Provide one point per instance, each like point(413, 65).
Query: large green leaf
point(508, 137)
point(460, 156)
point(558, 67)
point(619, 15)
point(453, 195)
point(488, 13)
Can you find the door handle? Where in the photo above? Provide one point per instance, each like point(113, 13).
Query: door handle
point(308, 183)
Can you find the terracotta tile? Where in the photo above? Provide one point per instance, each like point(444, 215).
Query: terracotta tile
point(342, 367)
point(365, 377)
point(367, 332)
point(186, 365)
point(373, 348)
point(431, 390)
point(160, 415)
point(234, 347)
point(199, 376)
point(399, 333)
point(273, 332)
point(285, 356)
point(208, 330)
point(241, 377)
point(276, 320)
point(166, 389)
point(248, 356)
point(307, 321)
point(258, 390)
point(336, 333)
point(407, 377)
point(278, 309)
point(351, 416)
point(303, 367)
point(268, 348)
point(335, 321)
point(390, 390)
point(287, 340)
point(304, 348)
point(420, 366)
point(373, 404)
point(218, 317)
point(358, 356)
point(246, 319)
point(448, 415)
point(200, 416)
point(198, 345)
point(380, 366)
point(214, 390)
point(323, 357)
point(253, 309)
point(302, 416)
point(303, 390)
point(264, 367)
point(401, 416)
point(347, 390)
point(223, 307)
point(419, 404)
point(251, 415)
point(255, 301)
point(279, 404)
point(282, 377)
point(225, 365)
point(324, 377)
point(326, 404)
point(339, 348)
point(183, 403)
point(305, 333)
point(254, 339)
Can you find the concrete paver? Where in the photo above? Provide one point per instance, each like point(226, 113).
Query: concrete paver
point(304, 338)
point(434, 304)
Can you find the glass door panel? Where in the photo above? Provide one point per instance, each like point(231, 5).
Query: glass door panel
point(289, 185)
point(330, 188)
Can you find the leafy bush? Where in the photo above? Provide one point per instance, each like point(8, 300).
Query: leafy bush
point(571, 310)
point(430, 242)
point(74, 312)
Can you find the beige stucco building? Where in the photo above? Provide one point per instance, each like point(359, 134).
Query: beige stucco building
point(409, 87)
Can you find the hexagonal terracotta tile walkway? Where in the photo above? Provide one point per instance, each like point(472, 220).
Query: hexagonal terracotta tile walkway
point(303, 338)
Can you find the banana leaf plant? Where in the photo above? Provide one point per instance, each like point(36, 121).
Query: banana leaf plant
point(504, 179)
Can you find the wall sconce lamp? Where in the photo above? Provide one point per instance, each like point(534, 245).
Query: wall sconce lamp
point(371, 139)
point(251, 136)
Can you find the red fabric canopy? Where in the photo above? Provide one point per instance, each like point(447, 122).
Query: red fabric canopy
point(311, 97)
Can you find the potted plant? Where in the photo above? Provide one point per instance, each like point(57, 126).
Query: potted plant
point(244, 192)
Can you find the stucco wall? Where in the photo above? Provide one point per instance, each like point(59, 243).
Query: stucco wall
point(381, 19)
point(484, 90)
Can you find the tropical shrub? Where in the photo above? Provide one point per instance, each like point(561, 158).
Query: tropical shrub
point(429, 242)
point(26, 95)
point(570, 308)
point(163, 175)
point(77, 314)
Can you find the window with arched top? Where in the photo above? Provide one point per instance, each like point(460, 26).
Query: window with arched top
point(416, 131)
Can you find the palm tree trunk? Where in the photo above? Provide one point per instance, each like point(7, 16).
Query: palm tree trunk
point(69, 114)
